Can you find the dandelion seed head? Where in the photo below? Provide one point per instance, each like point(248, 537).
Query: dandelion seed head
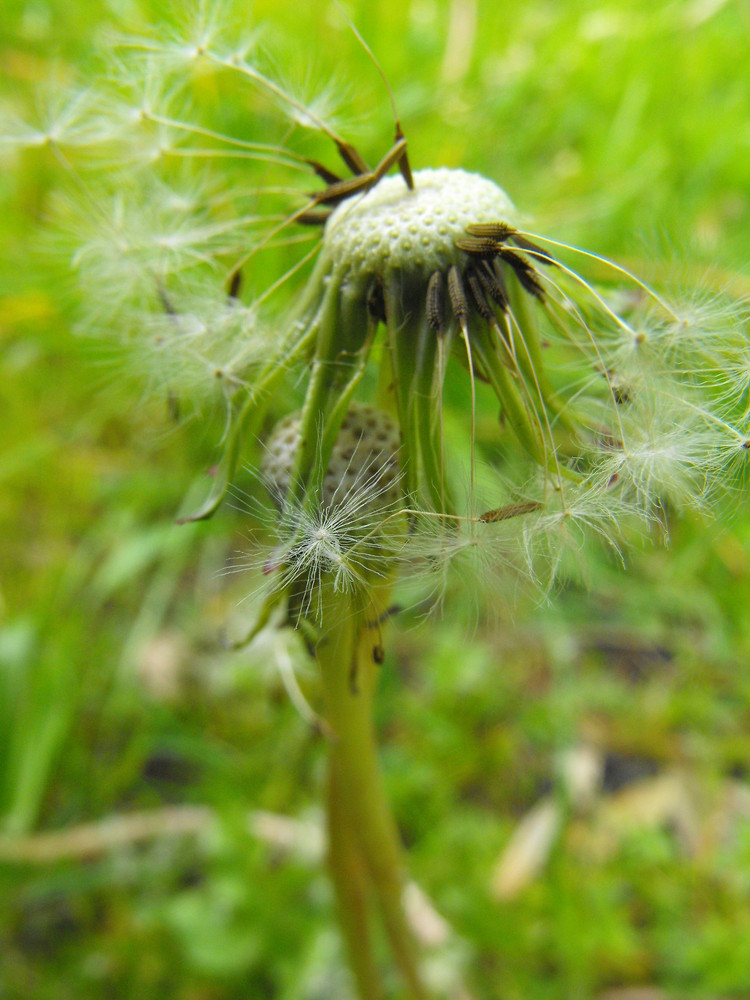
point(365, 455)
point(392, 227)
point(351, 538)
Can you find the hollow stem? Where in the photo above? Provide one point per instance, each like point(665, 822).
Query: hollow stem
point(347, 655)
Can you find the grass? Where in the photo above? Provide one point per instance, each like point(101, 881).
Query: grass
point(623, 129)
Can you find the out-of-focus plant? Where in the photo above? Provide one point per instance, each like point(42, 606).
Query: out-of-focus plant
point(189, 172)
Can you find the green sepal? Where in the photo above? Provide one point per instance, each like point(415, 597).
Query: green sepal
point(402, 341)
point(271, 602)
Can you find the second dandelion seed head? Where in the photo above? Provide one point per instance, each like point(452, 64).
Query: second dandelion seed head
point(364, 459)
point(350, 533)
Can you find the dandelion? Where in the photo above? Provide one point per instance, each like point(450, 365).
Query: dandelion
point(613, 400)
point(350, 536)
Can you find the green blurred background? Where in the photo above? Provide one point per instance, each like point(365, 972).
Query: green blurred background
point(624, 127)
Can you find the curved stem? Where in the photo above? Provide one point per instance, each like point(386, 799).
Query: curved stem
point(347, 658)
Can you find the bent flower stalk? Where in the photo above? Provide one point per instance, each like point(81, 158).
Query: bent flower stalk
point(614, 403)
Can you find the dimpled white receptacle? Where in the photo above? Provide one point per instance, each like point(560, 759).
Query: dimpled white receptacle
point(392, 227)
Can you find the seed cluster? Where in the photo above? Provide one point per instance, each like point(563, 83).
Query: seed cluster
point(364, 459)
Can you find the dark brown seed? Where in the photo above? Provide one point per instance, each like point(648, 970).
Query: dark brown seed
point(510, 510)
point(621, 395)
point(314, 217)
point(235, 283)
point(477, 294)
point(480, 247)
point(351, 158)
point(166, 302)
point(523, 271)
point(435, 306)
point(323, 172)
point(403, 163)
point(524, 244)
point(493, 284)
point(457, 295)
point(376, 301)
point(341, 190)
point(173, 407)
point(499, 231)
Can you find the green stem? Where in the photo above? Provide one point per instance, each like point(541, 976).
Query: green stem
point(350, 884)
point(347, 661)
